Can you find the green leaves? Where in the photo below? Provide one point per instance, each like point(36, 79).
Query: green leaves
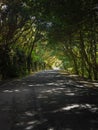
point(46, 32)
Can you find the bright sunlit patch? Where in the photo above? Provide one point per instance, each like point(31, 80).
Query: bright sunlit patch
point(50, 83)
point(80, 86)
point(73, 75)
point(11, 91)
point(85, 82)
point(29, 113)
point(4, 7)
point(16, 90)
point(90, 107)
point(77, 106)
point(94, 109)
point(56, 68)
point(31, 85)
point(87, 106)
point(55, 84)
point(7, 91)
point(29, 127)
point(32, 122)
point(51, 129)
point(70, 94)
point(95, 84)
point(50, 91)
point(70, 107)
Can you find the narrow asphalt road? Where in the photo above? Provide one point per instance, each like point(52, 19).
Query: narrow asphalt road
point(48, 100)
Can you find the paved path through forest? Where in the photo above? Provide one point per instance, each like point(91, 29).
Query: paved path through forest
point(48, 100)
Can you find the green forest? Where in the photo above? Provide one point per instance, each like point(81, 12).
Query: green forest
point(42, 34)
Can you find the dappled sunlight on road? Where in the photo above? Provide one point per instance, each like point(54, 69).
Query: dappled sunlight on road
point(78, 107)
point(70, 107)
point(16, 90)
point(7, 91)
point(11, 91)
point(49, 101)
point(30, 113)
point(95, 84)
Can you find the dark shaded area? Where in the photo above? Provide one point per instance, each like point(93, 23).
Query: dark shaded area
point(48, 101)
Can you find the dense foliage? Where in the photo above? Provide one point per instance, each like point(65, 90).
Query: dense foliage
point(36, 34)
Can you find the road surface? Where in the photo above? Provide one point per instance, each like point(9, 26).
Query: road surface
point(48, 100)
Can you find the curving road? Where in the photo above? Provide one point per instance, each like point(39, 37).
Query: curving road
point(48, 100)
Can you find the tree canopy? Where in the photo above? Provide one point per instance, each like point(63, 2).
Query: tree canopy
point(34, 34)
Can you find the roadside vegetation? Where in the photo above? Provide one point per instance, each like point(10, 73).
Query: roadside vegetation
point(39, 34)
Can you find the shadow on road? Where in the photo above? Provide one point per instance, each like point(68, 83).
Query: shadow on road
point(49, 101)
